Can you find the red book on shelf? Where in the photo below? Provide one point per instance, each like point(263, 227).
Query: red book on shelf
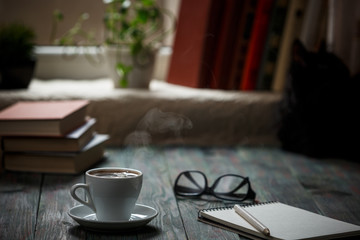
point(42, 118)
point(256, 44)
point(194, 37)
point(229, 20)
point(239, 48)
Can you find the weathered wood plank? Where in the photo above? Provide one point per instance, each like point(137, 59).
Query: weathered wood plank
point(157, 192)
point(182, 159)
point(333, 184)
point(55, 202)
point(19, 195)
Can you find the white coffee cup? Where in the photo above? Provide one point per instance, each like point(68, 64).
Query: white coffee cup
point(111, 192)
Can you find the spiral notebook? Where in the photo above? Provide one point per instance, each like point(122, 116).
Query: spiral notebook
point(284, 222)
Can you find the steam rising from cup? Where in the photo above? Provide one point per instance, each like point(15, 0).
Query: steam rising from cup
point(157, 122)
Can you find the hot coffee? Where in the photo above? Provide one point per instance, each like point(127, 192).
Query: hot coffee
point(111, 192)
point(114, 173)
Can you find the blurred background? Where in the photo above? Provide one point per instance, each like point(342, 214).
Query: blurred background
point(39, 15)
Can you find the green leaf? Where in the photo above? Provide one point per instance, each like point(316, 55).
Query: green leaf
point(143, 15)
point(148, 2)
point(123, 71)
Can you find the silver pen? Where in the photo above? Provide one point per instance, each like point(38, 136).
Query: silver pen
point(251, 220)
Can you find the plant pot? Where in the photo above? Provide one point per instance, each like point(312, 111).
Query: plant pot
point(142, 66)
point(16, 75)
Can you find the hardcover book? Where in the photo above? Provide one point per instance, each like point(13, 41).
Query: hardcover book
point(42, 118)
point(240, 48)
point(256, 45)
point(72, 142)
point(57, 162)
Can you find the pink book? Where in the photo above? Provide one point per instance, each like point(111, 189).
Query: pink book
point(42, 118)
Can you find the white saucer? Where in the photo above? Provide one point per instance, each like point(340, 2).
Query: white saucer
point(87, 218)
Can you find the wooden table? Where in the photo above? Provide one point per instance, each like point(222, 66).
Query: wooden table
point(35, 206)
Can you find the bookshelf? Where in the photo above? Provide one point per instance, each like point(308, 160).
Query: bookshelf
point(222, 40)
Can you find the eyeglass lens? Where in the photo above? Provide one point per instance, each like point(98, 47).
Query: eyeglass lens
point(231, 187)
point(191, 183)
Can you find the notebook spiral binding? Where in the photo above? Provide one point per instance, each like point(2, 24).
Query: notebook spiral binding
point(228, 208)
point(257, 204)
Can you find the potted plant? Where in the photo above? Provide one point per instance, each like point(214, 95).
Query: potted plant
point(134, 33)
point(17, 58)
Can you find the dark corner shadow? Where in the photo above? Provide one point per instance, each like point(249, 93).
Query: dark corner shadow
point(148, 230)
point(76, 231)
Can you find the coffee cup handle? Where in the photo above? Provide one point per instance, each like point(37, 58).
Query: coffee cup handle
point(89, 201)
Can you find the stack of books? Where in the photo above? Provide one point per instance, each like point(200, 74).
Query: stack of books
point(49, 136)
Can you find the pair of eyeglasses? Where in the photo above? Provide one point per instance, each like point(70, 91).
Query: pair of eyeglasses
point(230, 187)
